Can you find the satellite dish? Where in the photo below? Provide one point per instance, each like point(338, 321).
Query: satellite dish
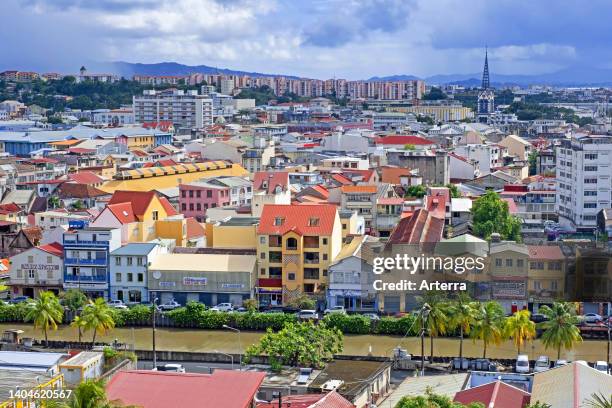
point(157, 274)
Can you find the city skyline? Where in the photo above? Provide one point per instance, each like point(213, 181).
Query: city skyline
point(317, 39)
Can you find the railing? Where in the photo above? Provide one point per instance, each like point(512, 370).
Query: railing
point(79, 261)
point(311, 260)
point(85, 278)
point(85, 242)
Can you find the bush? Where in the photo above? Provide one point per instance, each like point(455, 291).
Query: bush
point(348, 324)
point(13, 313)
point(393, 325)
point(303, 302)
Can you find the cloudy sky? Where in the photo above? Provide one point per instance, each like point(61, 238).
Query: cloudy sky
point(314, 38)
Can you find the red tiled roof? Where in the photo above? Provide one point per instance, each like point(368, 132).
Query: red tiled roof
point(494, 395)
point(359, 189)
point(81, 150)
point(420, 227)
point(390, 201)
point(321, 190)
point(9, 208)
point(548, 252)
point(86, 177)
point(77, 190)
point(194, 228)
point(298, 218)
point(274, 179)
point(123, 212)
point(162, 125)
point(170, 210)
point(159, 389)
point(403, 140)
point(140, 200)
point(329, 400)
point(436, 200)
point(393, 175)
point(55, 248)
point(342, 179)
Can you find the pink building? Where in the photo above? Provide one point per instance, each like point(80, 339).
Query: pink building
point(195, 198)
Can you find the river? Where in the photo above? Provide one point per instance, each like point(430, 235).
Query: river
point(228, 342)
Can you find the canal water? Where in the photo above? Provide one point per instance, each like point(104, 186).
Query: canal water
point(229, 342)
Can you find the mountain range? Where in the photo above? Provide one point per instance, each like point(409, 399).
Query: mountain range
point(573, 76)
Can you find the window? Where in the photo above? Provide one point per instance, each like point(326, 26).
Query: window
point(30, 259)
point(498, 262)
point(324, 241)
point(509, 262)
point(190, 193)
point(139, 261)
point(184, 207)
point(537, 285)
point(262, 271)
point(519, 263)
point(118, 277)
point(183, 194)
point(198, 193)
point(554, 285)
point(130, 277)
point(140, 277)
point(588, 193)
point(277, 272)
point(590, 156)
point(117, 261)
point(590, 181)
point(198, 207)
point(208, 193)
point(262, 255)
point(313, 222)
point(590, 168)
point(49, 259)
point(325, 257)
point(279, 221)
point(590, 205)
point(155, 215)
point(262, 239)
point(190, 206)
point(130, 260)
point(291, 243)
point(324, 272)
point(291, 276)
point(31, 274)
point(311, 273)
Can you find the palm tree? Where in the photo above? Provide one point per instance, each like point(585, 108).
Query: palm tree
point(88, 394)
point(81, 325)
point(437, 320)
point(46, 312)
point(599, 401)
point(98, 317)
point(560, 328)
point(520, 327)
point(461, 314)
point(489, 324)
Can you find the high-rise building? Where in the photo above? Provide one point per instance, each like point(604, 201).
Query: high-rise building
point(584, 178)
point(184, 109)
point(486, 97)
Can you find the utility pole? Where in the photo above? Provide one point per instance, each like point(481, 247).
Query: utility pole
point(424, 315)
point(153, 324)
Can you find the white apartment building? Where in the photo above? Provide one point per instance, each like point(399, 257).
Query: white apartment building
point(129, 266)
point(344, 163)
point(115, 117)
point(487, 156)
point(184, 109)
point(584, 178)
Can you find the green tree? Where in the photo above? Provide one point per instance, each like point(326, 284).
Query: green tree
point(491, 214)
point(250, 305)
point(80, 324)
point(416, 191)
point(538, 404)
point(304, 344)
point(431, 400)
point(98, 317)
point(559, 330)
point(437, 320)
point(73, 299)
point(520, 328)
point(54, 201)
point(599, 401)
point(434, 94)
point(532, 159)
point(462, 311)
point(454, 190)
point(489, 324)
point(46, 312)
point(88, 394)
point(303, 302)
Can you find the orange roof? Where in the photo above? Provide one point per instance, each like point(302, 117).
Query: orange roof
point(170, 210)
point(273, 178)
point(548, 252)
point(54, 248)
point(123, 212)
point(392, 175)
point(140, 200)
point(304, 219)
point(194, 228)
point(359, 189)
point(70, 142)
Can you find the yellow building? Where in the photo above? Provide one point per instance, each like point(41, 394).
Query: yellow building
point(146, 179)
point(295, 246)
point(236, 232)
point(546, 273)
point(438, 113)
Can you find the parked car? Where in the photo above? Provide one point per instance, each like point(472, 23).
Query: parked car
point(602, 366)
point(335, 309)
point(176, 368)
point(171, 305)
point(241, 310)
point(541, 364)
point(308, 315)
point(222, 307)
point(19, 299)
point(522, 364)
point(538, 318)
point(117, 304)
point(560, 363)
point(592, 318)
point(372, 316)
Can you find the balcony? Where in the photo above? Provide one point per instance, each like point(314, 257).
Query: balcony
point(83, 242)
point(85, 278)
point(311, 257)
point(78, 261)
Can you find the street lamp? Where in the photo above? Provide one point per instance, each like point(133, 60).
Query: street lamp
point(424, 315)
point(225, 326)
point(228, 355)
point(154, 354)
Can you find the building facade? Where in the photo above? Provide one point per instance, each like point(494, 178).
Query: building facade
point(184, 109)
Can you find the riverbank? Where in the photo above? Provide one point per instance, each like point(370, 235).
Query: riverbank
point(228, 342)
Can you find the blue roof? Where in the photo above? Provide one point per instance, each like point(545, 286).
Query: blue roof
point(136, 248)
point(77, 132)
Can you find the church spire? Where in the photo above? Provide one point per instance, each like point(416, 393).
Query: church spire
point(485, 71)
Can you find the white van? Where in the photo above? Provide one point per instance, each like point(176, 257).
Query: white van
point(522, 364)
point(601, 366)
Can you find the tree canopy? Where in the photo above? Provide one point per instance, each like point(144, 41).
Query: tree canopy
point(491, 214)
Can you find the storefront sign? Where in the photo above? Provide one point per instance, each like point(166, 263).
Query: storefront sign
point(232, 285)
point(191, 281)
point(163, 284)
point(40, 267)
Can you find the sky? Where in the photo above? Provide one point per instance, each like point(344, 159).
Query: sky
point(352, 39)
